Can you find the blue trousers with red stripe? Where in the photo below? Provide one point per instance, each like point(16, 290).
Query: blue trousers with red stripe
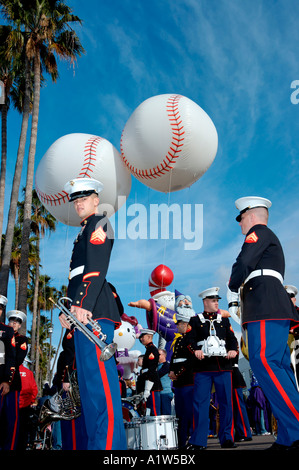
point(154, 403)
point(100, 394)
point(269, 357)
point(203, 382)
point(184, 412)
point(9, 420)
point(73, 434)
point(241, 421)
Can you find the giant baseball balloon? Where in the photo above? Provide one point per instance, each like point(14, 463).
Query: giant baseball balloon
point(168, 142)
point(86, 156)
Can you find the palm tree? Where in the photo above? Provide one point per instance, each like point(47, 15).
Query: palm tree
point(6, 76)
point(11, 58)
point(42, 27)
point(16, 256)
point(41, 222)
point(37, 302)
point(49, 35)
point(57, 294)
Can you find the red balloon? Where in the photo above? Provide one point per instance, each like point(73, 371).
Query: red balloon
point(161, 277)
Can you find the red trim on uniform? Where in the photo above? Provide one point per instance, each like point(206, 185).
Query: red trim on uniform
point(240, 412)
point(88, 282)
point(233, 422)
point(93, 274)
point(73, 428)
point(110, 411)
point(154, 403)
point(270, 371)
point(16, 421)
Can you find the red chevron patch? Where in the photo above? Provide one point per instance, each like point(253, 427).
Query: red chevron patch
point(98, 236)
point(252, 238)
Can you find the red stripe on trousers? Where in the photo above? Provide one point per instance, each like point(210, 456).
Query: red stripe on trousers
point(271, 373)
point(107, 392)
point(73, 428)
point(232, 403)
point(154, 403)
point(16, 421)
point(240, 412)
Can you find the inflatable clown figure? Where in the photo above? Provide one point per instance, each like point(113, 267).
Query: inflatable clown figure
point(125, 337)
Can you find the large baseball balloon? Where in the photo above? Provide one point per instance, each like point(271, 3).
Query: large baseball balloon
point(86, 156)
point(168, 142)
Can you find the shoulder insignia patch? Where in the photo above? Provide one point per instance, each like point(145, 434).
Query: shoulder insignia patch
point(98, 237)
point(23, 346)
point(251, 238)
point(151, 356)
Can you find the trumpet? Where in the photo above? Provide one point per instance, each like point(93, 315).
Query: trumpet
point(94, 333)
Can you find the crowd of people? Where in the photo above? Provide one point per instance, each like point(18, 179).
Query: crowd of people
point(195, 375)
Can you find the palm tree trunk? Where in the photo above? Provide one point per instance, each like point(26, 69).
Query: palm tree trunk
point(3, 160)
point(22, 303)
point(37, 377)
point(4, 274)
point(34, 327)
point(16, 276)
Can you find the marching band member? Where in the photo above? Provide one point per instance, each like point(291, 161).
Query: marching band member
point(7, 372)
point(149, 382)
point(267, 314)
point(181, 373)
point(92, 297)
point(15, 320)
point(213, 343)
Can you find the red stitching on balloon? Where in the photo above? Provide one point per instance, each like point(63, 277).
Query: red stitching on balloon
point(175, 147)
point(62, 197)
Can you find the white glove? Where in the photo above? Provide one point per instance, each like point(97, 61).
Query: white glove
point(147, 389)
point(233, 299)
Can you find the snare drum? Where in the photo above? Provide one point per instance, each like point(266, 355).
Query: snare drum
point(158, 432)
point(132, 430)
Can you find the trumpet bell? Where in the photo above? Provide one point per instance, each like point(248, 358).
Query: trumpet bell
point(108, 351)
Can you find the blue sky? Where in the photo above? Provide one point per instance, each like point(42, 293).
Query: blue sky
point(236, 59)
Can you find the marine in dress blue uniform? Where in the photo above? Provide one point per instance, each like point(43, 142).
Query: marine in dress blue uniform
point(7, 373)
point(149, 382)
point(267, 315)
point(212, 366)
point(91, 295)
point(15, 319)
point(181, 373)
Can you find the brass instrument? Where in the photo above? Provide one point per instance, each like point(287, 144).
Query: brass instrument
point(94, 333)
point(62, 405)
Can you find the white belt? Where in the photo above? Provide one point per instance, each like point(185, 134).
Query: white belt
point(179, 359)
point(76, 271)
point(264, 272)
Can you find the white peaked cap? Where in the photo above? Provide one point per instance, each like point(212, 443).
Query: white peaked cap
point(3, 300)
point(250, 202)
point(211, 293)
point(291, 290)
point(146, 331)
point(80, 187)
point(17, 314)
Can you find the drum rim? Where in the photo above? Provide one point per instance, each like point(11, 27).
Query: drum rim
point(160, 419)
point(133, 424)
